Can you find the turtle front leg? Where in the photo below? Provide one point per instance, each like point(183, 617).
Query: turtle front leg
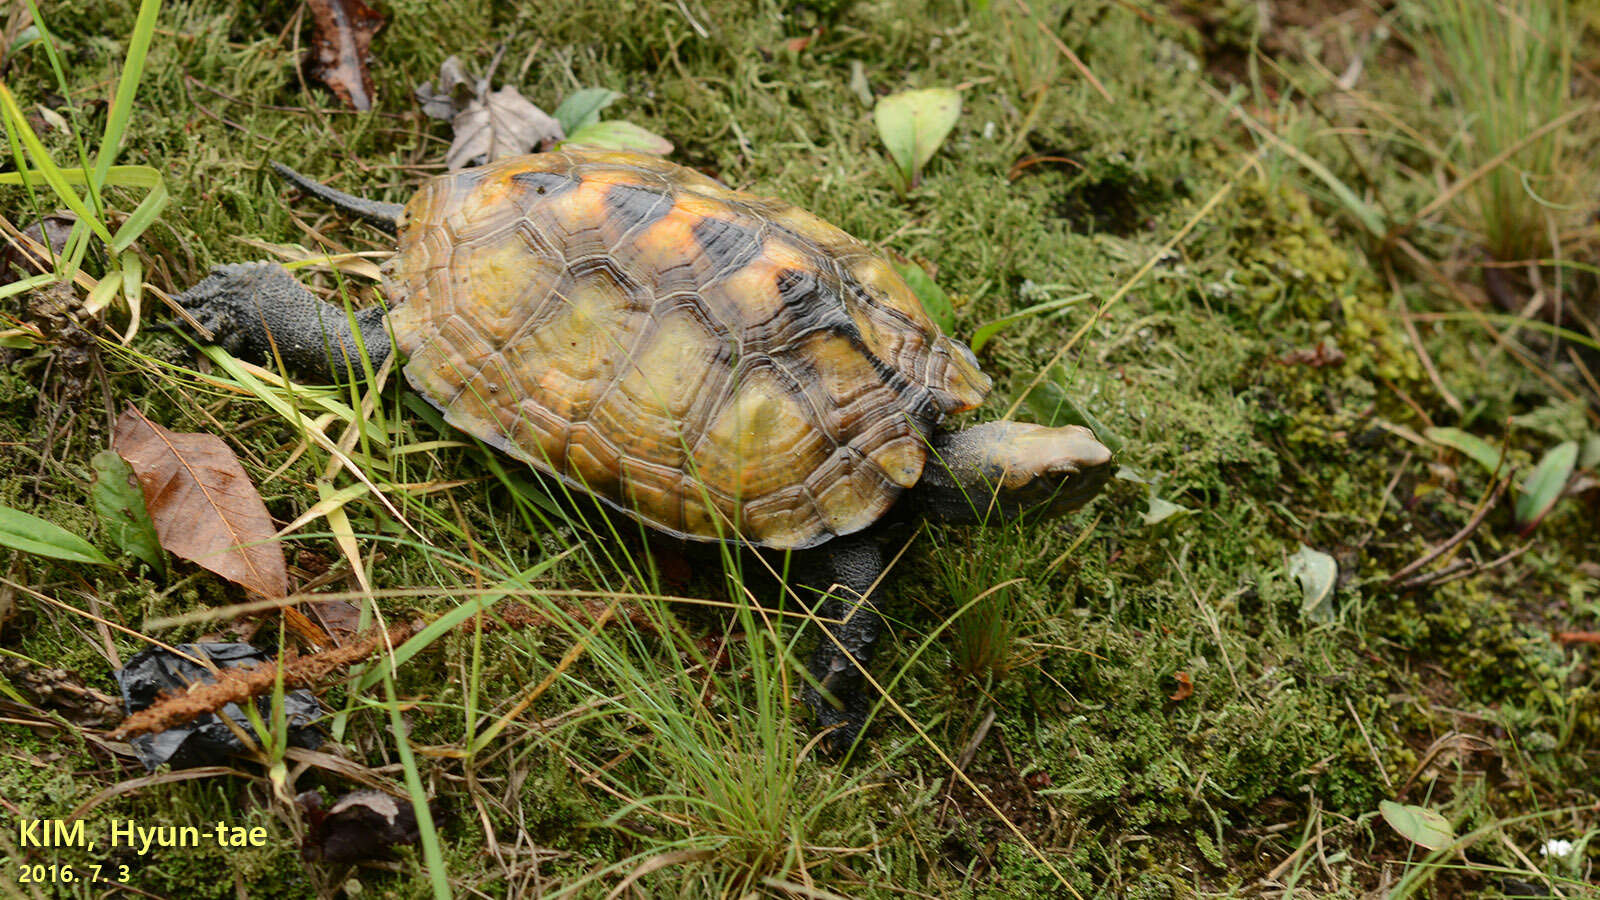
point(844, 570)
point(254, 309)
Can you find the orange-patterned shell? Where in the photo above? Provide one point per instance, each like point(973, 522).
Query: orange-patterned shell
point(716, 364)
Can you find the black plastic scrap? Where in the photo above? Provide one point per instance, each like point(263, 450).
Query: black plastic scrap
point(206, 740)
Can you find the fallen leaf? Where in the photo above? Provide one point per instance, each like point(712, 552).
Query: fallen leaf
point(341, 34)
point(362, 825)
point(487, 125)
point(203, 504)
point(502, 124)
point(341, 619)
point(1318, 573)
point(451, 96)
point(1185, 687)
point(119, 503)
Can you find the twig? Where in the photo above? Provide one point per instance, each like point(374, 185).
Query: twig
point(1466, 531)
point(1065, 50)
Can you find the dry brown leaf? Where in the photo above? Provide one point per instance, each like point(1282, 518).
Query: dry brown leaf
point(204, 506)
point(341, 34)
point(1185, 687)
point(488, 125)
point(19, 260)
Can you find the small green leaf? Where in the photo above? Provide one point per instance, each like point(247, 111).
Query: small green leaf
point(1161, 510)
point(582, 108)
point(1469, 445)
point(1545, 484)
point(934, 300)
point(1418, 824)
point(123, 517)
point(1053, 406)
point(1318, 574)
point(620, 135)
point(1589, 458)
point(913, 124)
point(990, 329)
point(31, 534)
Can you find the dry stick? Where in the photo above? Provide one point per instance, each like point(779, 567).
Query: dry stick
point(1466, 531)
point(1467, 568)
point(1577, 637)
point(1494, 162)
point(1505, 343)
point(1065, 50)
point(1416, 341)
point(1128, 285)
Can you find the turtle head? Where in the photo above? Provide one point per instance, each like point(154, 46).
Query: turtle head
point(1002, 470)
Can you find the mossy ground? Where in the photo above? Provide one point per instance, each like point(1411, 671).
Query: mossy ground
point(1130, 785)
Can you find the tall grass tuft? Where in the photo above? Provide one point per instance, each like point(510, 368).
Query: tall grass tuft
point(1508, 66)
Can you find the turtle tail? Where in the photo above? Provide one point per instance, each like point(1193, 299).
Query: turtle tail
point(385, 216)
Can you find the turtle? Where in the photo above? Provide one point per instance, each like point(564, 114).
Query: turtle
point(716, 365)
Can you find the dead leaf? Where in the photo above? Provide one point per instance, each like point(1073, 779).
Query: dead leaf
point(341, 34)
point(1185, 687)
point(341, 619)
point(20, 262)
point(204, 506)
point(504, 124)
point(487, 125)
point(1325, 353)
point(361, 825)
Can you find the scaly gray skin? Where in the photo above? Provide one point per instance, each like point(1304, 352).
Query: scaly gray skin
point(991, 472)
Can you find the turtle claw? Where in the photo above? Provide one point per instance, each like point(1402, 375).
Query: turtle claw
point(842, 716)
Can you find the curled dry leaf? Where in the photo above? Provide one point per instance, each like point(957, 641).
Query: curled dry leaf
point(361, 825)
point(487, 125)
point(1185, 687)
point(341, 35)
point(203, 504)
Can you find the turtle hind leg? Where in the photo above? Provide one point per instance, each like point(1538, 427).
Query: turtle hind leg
point(843, 571)
point(260, 312)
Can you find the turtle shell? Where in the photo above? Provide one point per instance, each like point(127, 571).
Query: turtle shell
point(715, 364)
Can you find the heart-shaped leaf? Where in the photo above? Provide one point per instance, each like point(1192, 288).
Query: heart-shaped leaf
point(913, 124)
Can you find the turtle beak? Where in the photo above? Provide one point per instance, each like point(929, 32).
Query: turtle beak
point(1082, 467)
